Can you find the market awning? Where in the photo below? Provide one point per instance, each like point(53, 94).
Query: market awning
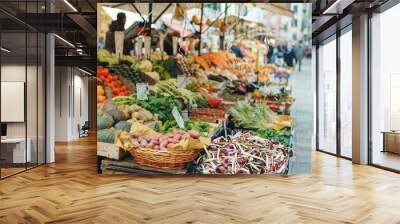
point(174, 25)
point(280, 9)
point(157, 8)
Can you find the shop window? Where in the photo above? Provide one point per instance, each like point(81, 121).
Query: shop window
point(385, 89)
point(327, 97)
point(346, 94)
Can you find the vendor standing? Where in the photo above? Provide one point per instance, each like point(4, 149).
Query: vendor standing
point(289, 56)
point(116, 25)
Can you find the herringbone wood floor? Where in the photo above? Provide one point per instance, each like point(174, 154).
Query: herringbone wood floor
point(70, 191)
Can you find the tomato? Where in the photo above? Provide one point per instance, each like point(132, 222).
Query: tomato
point(109, 80)
point(214, 102)
point(115, 91)
point(102, 71)
point(273, 106)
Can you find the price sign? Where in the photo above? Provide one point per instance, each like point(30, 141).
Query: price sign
point(141, 91)
point(178, 118)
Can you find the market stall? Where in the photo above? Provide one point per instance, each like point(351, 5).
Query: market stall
point(192, 109)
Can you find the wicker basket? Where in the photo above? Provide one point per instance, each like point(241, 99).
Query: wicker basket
point(171, 159)
point(176, 157)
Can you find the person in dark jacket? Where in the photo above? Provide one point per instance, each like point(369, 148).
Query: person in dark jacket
point(299, 54)
point(289, 56)
point(116, 25)
point(168, 43)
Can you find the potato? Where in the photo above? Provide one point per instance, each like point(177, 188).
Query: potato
point(136, 115)
point(135, 142)
point(143, 143)
point(173, 141)
point(194, 134)
point(163, 138)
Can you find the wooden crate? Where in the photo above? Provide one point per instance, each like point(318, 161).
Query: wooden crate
point(129, 165)
point(110, 151)
point(207, 114)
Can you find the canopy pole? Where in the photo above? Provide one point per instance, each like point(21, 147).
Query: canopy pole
point(138, 11)
point(150, 16)
point(150, 22)
point(238, 18)
point(201, 26)
point(223, 34)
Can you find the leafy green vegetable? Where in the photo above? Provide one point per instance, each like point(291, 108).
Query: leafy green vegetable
point(252, 117)
point(168, 88)
point(171, 66)
point(104, 56)
point(144, 66)
point(282, 136)
point(158, 66)
point(202, 127)
point(155, 103)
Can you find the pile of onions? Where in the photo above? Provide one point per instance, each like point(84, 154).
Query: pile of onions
point(243, 153)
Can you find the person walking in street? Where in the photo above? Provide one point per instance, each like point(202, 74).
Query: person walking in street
point(299, 54)
point(289, 56)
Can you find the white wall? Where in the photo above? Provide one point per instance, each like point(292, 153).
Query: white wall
point(34, 125)
point(71, 107)
point(16, 73)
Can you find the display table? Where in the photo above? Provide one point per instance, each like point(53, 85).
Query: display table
point(13, 150)
point(128, 165)
point(391, 141)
